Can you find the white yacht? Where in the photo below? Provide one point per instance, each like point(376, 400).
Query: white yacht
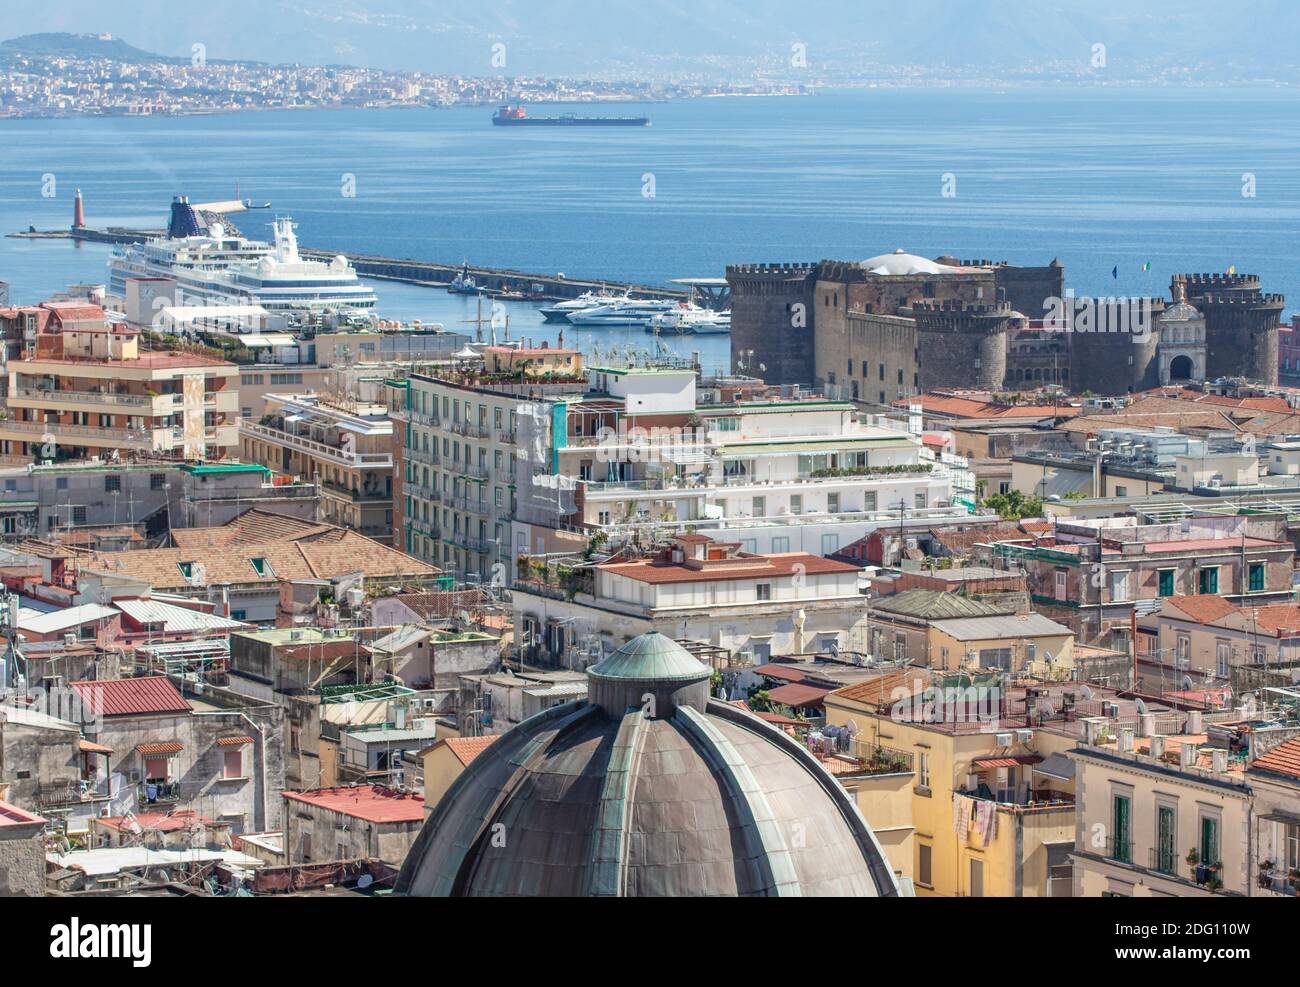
point(560, 311)
point(689, 319)
point(213, 266)
point(621, 312)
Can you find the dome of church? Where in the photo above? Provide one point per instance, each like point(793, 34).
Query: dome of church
point(649, 787)
point(900, 262)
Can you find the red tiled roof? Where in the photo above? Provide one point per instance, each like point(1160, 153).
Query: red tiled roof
point(1271, 619)
point(11, 815)
point(1203, 607)
point(1284, 759)
point(160, 747)
point(798, 694)
point(90, 747)
point(125, 697)
point(750, 567)
point(937, 404)
point(468, 748)
point(372, 803)
point(234, 741)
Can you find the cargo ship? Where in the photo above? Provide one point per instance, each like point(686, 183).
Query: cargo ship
point(517, 116)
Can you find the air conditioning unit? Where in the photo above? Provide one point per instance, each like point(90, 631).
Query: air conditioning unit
point(1003, 740)
point(1024, 736)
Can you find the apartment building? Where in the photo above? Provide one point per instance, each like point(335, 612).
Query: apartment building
point(89, 503)
point(1208, 636)
point(990, 810)
point(1087, 574)
point(655, 451)
point(693, 588)
point(86, 388)
point(1167, 805)
point(343, 446)
point(458, 438)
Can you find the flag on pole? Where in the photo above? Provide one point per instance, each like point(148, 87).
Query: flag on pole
point(1114, 271)
point(1232, 268)
point(1146, 266)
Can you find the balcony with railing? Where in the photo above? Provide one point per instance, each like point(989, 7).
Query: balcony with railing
point(466, 469)
point(158, 792)
point(429, 457)
point(90, 435)
point(469, 430)
point(1163, 860)
point(108, 399)
point(1119, 850)
point(308, 446)
point(470, 505)
point(471, 543)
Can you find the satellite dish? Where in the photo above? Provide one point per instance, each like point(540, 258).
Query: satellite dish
point(364, 881)
point(852, 728)
point(1187, 683)
point(1141, 707)
point(1087, 693)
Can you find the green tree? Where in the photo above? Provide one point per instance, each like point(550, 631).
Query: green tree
point(1014, 505)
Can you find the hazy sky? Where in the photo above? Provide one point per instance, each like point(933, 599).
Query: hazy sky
point(1169, 39)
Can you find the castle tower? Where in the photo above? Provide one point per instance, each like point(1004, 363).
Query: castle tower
point(772, 321)
point(1113, 344)
point(1241, 324)
point(962, 344)
point(78, 212)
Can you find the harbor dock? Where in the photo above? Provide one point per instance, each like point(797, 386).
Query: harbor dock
point(499, 282)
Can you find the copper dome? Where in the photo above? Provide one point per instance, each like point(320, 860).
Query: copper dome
point(650, 788)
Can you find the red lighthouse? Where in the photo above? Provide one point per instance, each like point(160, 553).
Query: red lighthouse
point(78, 212)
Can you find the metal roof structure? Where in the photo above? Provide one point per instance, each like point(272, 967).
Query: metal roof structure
point(1012, 625)
point(933, 604)
point(651, 788)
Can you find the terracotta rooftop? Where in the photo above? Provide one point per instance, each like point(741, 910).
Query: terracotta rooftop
point(886, 689)
point(1201, 607)
point(291, 549)
point(373, 803)
point(1284, 759)
point(468, 748)
point(745, 567)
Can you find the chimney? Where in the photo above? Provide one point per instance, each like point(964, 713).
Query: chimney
point(1126, 740)
point(1158, 746)
point(1194, 721)
point(1147, 725)
point(1092, 728)
point(1219, 760)
point(1186, 755)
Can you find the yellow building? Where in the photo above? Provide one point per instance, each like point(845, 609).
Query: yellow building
point(1165, 815)
point(1027, 643)
point(444, 760)
point(988, 809)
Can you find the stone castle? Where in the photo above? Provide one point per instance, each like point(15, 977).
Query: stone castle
point(897, 324)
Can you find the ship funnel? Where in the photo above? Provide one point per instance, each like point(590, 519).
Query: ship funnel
point(183, 221)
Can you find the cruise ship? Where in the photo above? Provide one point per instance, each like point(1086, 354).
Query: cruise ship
point(212, 266)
